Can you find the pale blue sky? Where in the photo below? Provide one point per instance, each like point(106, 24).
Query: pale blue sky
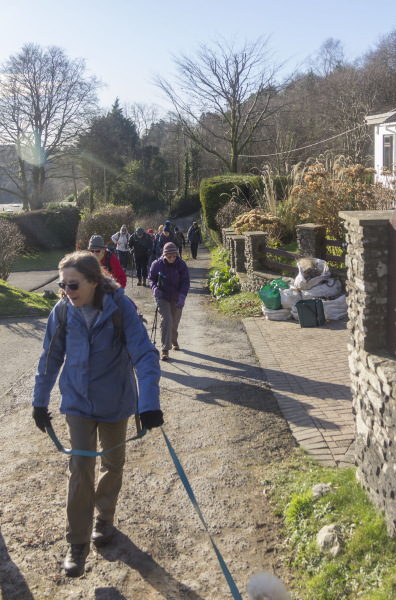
point(126, 42)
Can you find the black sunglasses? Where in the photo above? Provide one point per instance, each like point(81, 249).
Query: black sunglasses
point(72, 286)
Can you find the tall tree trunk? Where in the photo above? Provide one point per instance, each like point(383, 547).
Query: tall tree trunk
point(25, 189)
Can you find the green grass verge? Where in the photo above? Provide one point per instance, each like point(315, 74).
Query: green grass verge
point(365, 569)
point(242, 304)
point(16, 302)
point(38, 260)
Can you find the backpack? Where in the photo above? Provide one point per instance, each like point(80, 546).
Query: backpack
point(117, 323)
point(108, 256)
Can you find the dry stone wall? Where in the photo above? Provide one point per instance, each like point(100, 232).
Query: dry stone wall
point(373, 370)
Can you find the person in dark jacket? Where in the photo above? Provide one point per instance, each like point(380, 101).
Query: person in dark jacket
point(141, 245)
point(98, 394)
point(180, 240)
point(194, 238)
point(163, 237)
point(107, 259)
point(170, 281)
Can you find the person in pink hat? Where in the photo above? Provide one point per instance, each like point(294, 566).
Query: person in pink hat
point(170, 282)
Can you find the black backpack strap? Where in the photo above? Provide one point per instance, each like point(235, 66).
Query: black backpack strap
point(62, 321)
point(117, 322)
point(108, 256)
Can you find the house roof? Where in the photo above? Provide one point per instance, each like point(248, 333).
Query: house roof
point(386, 117)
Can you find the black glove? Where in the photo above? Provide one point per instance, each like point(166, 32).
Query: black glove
point(42, 417)
point(151, 418)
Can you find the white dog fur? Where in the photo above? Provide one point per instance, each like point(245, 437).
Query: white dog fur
point(265, 586)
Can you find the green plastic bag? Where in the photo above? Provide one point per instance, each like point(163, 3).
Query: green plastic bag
point(270, 297)
point(280, 283)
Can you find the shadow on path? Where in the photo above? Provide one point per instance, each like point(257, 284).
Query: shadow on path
point(18, 326)
point(148, 568)
point(108, 594)
point(12, 583)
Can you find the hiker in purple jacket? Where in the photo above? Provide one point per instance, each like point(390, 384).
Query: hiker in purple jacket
point(170, 281)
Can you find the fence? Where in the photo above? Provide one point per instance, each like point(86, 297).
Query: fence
point(250, 254)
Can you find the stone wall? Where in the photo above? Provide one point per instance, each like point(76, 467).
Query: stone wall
point(247, 253)
point(373, 370)
point(311, 240)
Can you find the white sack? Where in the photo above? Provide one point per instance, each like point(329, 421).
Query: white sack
point(282, 314)
point(330, 288)
point(316, 264)
point(290, 297)
point(335, 309)
point(294, 313)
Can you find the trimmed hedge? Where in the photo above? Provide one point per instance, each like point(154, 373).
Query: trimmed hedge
point(104, 222)
point(215, 192)
point(45, 229)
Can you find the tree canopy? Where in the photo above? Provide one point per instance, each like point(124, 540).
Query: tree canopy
point(223, 94)
point(45, 100)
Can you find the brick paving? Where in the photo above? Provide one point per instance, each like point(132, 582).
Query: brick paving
point(307, 369)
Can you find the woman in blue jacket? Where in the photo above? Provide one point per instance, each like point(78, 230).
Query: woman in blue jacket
point(98, 394)
point(170, 281)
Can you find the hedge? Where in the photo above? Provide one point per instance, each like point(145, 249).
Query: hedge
point(217, 191)
point(48, 228)
point(104, 222)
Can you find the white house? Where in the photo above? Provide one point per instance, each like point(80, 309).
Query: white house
point(384, 143)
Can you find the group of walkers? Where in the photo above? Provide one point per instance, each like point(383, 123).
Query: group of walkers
point(97, 383)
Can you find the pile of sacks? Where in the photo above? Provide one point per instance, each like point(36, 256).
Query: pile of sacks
point(313, 281)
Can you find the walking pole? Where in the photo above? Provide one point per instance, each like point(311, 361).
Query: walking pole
point(154, 327)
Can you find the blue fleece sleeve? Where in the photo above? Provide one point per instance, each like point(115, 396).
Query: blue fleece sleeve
point(45, 381)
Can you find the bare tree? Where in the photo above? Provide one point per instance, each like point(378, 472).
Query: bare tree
point(45, 99)
point(223, 94)
point(329, 56)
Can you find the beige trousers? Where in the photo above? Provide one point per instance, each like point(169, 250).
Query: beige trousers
point(82, 498)
point(170, 319)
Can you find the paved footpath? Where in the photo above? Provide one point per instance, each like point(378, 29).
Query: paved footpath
point(308, 371)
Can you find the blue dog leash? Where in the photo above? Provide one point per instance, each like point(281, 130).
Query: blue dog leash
point(180, 471)
point(70, 452)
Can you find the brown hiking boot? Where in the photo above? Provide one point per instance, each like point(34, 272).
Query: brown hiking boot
point(139, 282)
point(144, 283)
point(175, 346)
point(102, 533)
point(75, 559)
point(165, 355)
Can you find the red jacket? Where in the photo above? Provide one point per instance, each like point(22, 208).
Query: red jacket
point(116, 270)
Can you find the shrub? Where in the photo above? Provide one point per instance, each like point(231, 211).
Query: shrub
point(141, 199)
point(257, 220)
point(11, 243)
point(217, 191)
point(44, 229)
point(224, 283)
point(104, 222)
point(83, 198)
point(229, 212)
point(151, 221)
point(323, 192)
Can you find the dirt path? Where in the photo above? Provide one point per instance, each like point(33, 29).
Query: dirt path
point(225, 427)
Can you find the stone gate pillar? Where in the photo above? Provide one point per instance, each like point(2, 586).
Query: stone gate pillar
point(373, 368)
point(311, 240)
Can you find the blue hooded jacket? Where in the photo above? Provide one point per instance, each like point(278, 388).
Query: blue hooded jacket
point(97, 380)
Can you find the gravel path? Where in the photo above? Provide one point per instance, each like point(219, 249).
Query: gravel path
point(224, 425)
